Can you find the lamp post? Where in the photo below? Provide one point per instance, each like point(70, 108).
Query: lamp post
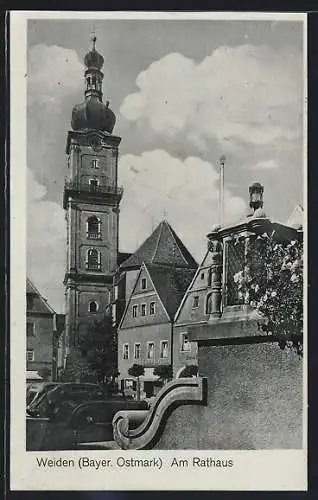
point(221, 208)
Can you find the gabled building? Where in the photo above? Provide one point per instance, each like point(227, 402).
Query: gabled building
point(163, 247)
point(43, 330)
point(156, 278)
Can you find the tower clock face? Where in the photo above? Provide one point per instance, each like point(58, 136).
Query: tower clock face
point(95, 144)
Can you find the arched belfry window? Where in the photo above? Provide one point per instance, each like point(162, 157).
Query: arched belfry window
point(93, 262)
point(93, 307)
point(93, 228)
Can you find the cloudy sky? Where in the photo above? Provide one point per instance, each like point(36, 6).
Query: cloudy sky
point(184, 92)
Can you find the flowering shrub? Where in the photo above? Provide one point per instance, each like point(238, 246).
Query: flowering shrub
point(272, 282)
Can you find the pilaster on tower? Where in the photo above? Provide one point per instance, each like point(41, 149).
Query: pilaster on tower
point(91, 201)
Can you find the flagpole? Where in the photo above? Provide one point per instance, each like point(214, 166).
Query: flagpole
point(221, 214)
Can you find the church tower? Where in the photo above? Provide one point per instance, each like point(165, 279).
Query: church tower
point(91, 203)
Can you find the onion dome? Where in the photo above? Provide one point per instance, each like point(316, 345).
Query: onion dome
point(93, 113)
point(93, 60)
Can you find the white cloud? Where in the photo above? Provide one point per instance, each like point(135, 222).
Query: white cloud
point(46, 235)
point(186, 191)
point(53, 74)
point(263, 165)
point(246, 93)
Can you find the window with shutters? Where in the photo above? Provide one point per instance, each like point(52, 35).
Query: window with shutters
point(164, 349)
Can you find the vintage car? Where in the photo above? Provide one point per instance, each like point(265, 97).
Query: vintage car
point(63, 415)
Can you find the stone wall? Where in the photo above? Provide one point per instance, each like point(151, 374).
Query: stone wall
point(254, 401)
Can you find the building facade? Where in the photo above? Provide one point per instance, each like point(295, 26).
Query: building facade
point(153, 288)
point(43, 330)
point(91, 203)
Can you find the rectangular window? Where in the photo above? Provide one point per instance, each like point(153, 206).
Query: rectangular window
point(116, 292)
point(137, 351)
point(184, 342)
point(143, 309)
point(30, 355)
point(95, 163)
point(164, 349)
point(150, 350)
point(134, 311)
point(143, 283)
point(30, 329)
point(202, 276)
point(152, 308)
point(125, 351)
point(93, 183)
point(195, 304)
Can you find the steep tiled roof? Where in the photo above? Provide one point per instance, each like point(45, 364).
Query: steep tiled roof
point(40, 305)
point(162, 247)
point(122, 256)
point(171, 285)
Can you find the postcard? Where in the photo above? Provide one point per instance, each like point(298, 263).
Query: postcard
point(158, 168)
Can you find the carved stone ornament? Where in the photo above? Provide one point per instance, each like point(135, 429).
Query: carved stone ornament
point(142, 429)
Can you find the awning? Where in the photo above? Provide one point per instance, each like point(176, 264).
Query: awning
point(33, 375)
point(149, 376)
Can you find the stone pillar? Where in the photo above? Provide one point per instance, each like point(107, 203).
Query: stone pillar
point(215, 246)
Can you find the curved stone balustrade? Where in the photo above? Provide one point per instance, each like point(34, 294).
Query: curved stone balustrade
point(140, 430)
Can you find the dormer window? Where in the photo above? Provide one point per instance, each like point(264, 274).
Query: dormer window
point(93, 307)
point(195, 303)
point(93, 228)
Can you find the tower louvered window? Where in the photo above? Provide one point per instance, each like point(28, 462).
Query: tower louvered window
point(93, 228)
point(93, 260)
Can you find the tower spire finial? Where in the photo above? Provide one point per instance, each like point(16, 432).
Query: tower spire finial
point(93, 39)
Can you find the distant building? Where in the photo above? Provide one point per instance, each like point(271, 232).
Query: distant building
point(151, 284)
point(43, 333)
point(296, 218)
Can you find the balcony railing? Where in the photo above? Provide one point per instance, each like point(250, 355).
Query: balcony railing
point(94, 236)
point(93, 266)
point(88, 188)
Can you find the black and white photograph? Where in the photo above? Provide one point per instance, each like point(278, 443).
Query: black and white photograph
point(162, 271)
